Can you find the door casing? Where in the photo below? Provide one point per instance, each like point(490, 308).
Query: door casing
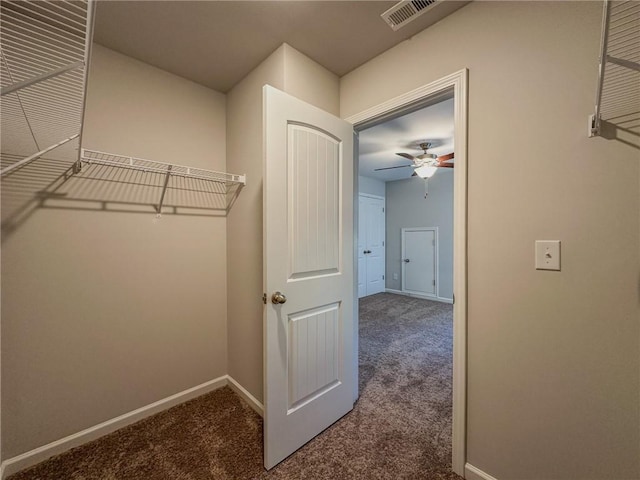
point(428, 94)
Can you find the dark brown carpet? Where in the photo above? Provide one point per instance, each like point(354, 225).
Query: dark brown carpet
point(399, 429)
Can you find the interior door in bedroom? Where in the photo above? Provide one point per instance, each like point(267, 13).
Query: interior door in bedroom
point(371, 249)
point(419, 261)
point(308, 273)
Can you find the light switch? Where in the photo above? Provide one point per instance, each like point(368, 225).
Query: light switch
point(547, 254)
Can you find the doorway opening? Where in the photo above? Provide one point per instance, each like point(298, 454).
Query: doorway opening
point(408, 317)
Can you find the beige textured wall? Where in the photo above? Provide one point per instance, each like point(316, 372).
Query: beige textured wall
point(310, 81)
point(290, 71)
point(244, 223)
point(553, 366)
point(104, 312)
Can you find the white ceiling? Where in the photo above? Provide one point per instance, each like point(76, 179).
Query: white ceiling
point(217, 43)
point(378, 145)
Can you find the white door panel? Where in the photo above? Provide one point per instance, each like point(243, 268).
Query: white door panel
point(362, 276)
point(308, 256)
point(375, 245)
point(362, 236)
point(371, 234)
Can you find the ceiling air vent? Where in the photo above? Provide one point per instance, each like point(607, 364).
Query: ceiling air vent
point(404, 12)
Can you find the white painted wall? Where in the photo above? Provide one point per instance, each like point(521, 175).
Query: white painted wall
point(407, 207)
point(553, 357)
point(371, 186)
point(106, 312)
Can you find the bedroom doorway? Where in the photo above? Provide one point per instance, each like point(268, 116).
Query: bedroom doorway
point(454, 89)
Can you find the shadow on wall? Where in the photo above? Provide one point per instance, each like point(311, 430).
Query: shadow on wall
point(624, 128)
point(52, 184)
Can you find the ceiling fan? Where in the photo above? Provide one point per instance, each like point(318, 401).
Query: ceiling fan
point(425, 159)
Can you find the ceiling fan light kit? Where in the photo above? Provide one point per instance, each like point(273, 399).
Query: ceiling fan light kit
point(426, 164)
point(426, 171)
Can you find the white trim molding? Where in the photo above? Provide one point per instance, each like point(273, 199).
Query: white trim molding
point(474, 473)
point(37, 455)
point(428, 94)
point(243, 393)
point(371, 195)
point(415, 295)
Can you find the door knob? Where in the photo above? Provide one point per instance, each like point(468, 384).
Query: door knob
point(406, 260)
point(278, 298)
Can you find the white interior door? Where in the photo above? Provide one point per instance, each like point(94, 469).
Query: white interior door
point(419, 261)
point(375, 233)
point(362, 256)
point(308, 257)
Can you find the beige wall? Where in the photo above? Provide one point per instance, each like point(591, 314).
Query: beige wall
point(310, 81)
point(244, 234)
point(290, 71)
point(553, 366)
point(105, 312)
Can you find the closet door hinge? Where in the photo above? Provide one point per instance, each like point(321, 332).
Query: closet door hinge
point(264, 298)
point(434, 283)
point(383, 277)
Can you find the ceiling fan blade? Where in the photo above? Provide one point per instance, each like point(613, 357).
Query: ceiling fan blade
point(407, 156)
point(446, 161)
point(390, 168)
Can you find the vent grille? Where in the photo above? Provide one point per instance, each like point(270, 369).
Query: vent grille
point(406, 11)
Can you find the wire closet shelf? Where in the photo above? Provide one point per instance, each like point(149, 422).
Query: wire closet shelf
point(44, 55)
point(618, 90)
point(227, 185)
point(45, 50)
point(141, 164)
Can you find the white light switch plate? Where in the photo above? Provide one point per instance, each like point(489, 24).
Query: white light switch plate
point(547, 254)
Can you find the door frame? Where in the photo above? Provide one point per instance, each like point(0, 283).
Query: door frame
point(420, 97)
point(436, 277)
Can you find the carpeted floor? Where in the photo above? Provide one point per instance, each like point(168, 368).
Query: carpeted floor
point(400, 428)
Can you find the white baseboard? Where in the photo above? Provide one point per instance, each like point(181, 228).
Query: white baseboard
point(246, 396)
point(473, 473)
point(415, 295)
point(37, 455)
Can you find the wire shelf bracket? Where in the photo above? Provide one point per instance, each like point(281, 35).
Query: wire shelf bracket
point(618, 89)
